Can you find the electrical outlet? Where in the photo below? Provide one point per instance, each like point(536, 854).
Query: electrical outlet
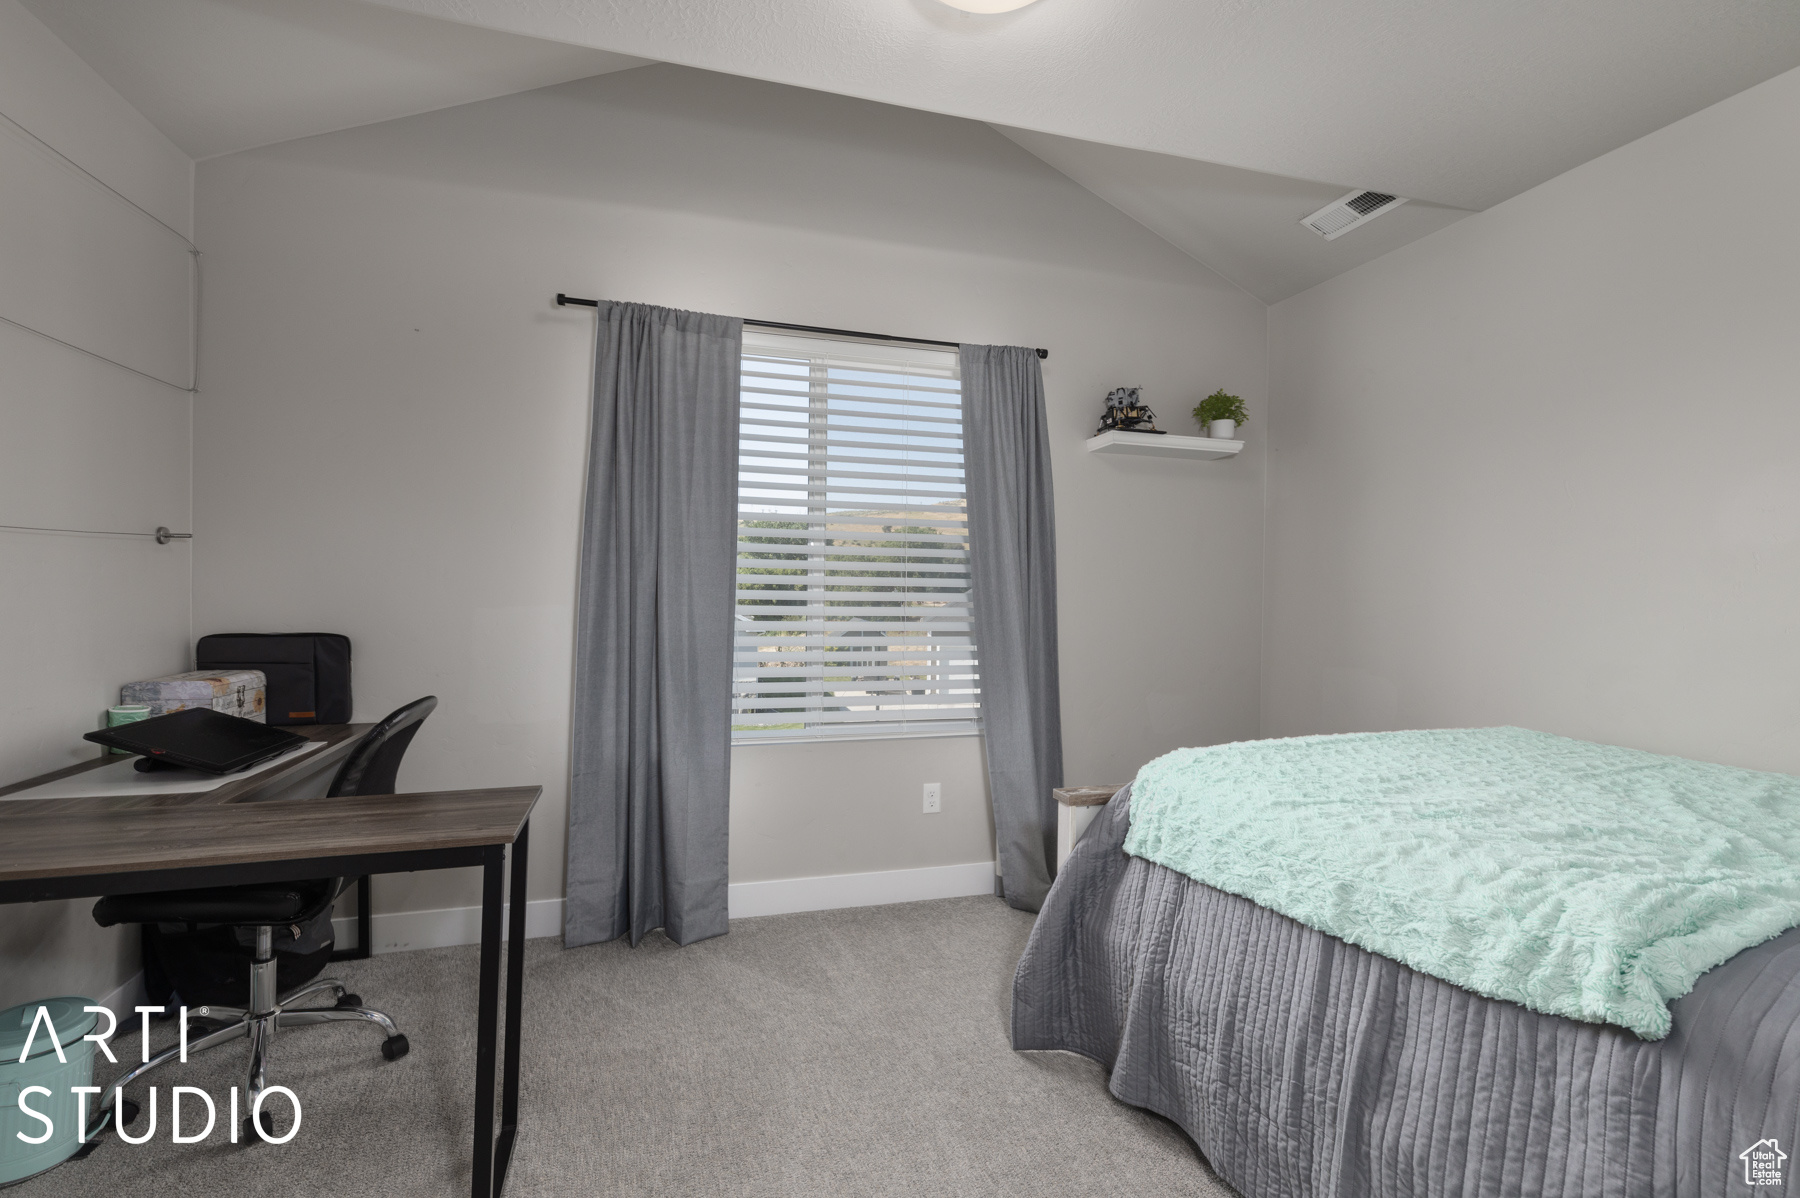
point(934, 797)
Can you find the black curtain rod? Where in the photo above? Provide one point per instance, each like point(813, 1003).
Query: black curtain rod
point(574, 301)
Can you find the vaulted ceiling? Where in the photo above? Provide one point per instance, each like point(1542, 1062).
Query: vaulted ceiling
point(1461, 103)
point(218, 76)
point(1243, 224)
point(1217, 124)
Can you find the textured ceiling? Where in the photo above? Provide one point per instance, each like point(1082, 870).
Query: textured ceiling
point(222, 75)
point(1462, 103)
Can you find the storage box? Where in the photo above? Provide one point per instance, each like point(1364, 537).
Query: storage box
point(234, 692)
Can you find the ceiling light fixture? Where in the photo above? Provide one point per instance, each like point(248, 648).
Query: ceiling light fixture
point(985, 7)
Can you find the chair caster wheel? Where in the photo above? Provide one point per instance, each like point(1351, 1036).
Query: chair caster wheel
point(268, 1126)
point(350, 1000)
point(128, 1111)
point(394, 1047)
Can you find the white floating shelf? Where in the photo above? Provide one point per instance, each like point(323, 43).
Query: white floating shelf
point(1162, 445)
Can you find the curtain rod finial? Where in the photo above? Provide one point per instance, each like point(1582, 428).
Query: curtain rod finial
point(1042, 354)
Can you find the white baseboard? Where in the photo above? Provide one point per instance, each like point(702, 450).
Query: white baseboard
point(397, 931)
point(124, 1001)
point(860, 890)
point(446, 926)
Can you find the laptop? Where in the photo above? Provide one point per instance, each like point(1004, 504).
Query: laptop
point(199, 739)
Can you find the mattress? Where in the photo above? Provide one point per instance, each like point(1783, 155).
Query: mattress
point(1302, 1065)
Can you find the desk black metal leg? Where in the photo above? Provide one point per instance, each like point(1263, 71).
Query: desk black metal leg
point(363, 941)
point(365, 913)
point(487, 1021)
point(515, 985)
point(362, 925)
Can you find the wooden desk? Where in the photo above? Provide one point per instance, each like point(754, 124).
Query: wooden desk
point(303, 777)
point(74, 848)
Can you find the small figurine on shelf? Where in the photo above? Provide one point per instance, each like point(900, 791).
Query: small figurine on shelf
point(1126, 412)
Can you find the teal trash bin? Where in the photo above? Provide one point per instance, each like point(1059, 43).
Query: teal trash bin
point(19, 1160)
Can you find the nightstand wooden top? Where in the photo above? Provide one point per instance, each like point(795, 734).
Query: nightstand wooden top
point(1086, 796)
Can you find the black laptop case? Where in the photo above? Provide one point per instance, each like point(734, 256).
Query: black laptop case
point(308, 673)
point(200, 739)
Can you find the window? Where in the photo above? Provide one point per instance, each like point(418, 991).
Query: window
point(853, 615)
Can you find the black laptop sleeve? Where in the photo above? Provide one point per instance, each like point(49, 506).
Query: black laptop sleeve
point(200, 739)
point(308, 672)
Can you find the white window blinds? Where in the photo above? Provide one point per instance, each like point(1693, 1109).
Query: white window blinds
point(852, 583)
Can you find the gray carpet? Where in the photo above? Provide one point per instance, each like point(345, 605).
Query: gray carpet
point(858, 1052)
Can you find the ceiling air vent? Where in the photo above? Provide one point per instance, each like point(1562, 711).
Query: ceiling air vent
point(1358, 208)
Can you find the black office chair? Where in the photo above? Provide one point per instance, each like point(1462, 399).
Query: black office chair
point(371, 768)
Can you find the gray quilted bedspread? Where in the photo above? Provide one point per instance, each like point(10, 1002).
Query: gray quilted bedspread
point(1303, 1066)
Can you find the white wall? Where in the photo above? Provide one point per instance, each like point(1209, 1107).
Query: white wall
point(84, 444)
point(391, 437)
point(1541, 467)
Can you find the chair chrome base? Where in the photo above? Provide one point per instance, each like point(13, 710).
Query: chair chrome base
point(267, 1013)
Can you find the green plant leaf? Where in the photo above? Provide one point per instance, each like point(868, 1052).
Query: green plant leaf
point(1220, 406)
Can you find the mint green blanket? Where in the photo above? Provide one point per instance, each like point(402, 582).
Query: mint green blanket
point(1576, 879)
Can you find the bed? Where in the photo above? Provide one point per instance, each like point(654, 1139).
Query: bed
point(1302, 1065)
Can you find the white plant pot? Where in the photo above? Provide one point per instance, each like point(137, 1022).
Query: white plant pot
point(1222, 430)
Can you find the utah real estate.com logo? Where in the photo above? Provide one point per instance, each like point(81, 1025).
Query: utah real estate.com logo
point(1762, 1163)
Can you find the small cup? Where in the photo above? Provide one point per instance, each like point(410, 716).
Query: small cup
point(125, 713)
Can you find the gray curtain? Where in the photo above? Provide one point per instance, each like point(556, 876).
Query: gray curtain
point(651, 735)
point(1012, 569)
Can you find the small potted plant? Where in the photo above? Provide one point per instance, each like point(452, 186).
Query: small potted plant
point(1219, 415)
